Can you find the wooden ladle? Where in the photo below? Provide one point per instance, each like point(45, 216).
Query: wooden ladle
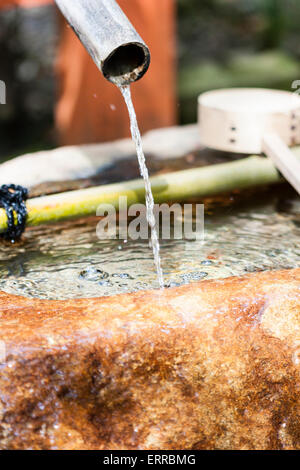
point(254, 120)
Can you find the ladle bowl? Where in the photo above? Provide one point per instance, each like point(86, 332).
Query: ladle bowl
point(253, 120)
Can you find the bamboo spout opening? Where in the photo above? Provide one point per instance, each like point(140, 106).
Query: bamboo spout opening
point(126, 64)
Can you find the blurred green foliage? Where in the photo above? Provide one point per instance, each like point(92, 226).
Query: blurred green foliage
point(226, 43)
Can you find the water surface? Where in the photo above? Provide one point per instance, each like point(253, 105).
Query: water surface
point(68, 261)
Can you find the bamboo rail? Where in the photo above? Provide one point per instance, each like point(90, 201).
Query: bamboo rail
point(177, 186)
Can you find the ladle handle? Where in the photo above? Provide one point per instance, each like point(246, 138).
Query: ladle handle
point(286, 162)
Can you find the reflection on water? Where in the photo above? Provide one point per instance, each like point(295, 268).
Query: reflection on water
point(67, 260)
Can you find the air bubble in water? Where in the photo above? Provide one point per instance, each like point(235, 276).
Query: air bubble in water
point(93, 274)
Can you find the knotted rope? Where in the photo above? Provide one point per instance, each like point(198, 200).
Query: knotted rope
point(12, 200)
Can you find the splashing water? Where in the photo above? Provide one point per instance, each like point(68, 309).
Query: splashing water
point(136, 137)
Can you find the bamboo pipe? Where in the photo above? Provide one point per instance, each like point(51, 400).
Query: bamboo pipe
point(108, 36)
point(177, 186)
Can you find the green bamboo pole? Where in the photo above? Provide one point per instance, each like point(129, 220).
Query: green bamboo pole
point(178, 186)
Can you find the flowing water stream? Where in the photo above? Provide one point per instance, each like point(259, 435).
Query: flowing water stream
point(136, 137)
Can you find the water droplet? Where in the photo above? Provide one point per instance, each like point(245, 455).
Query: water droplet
point(122, 275)
point(93, 274)
point(105, 283)
point(207, 262)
